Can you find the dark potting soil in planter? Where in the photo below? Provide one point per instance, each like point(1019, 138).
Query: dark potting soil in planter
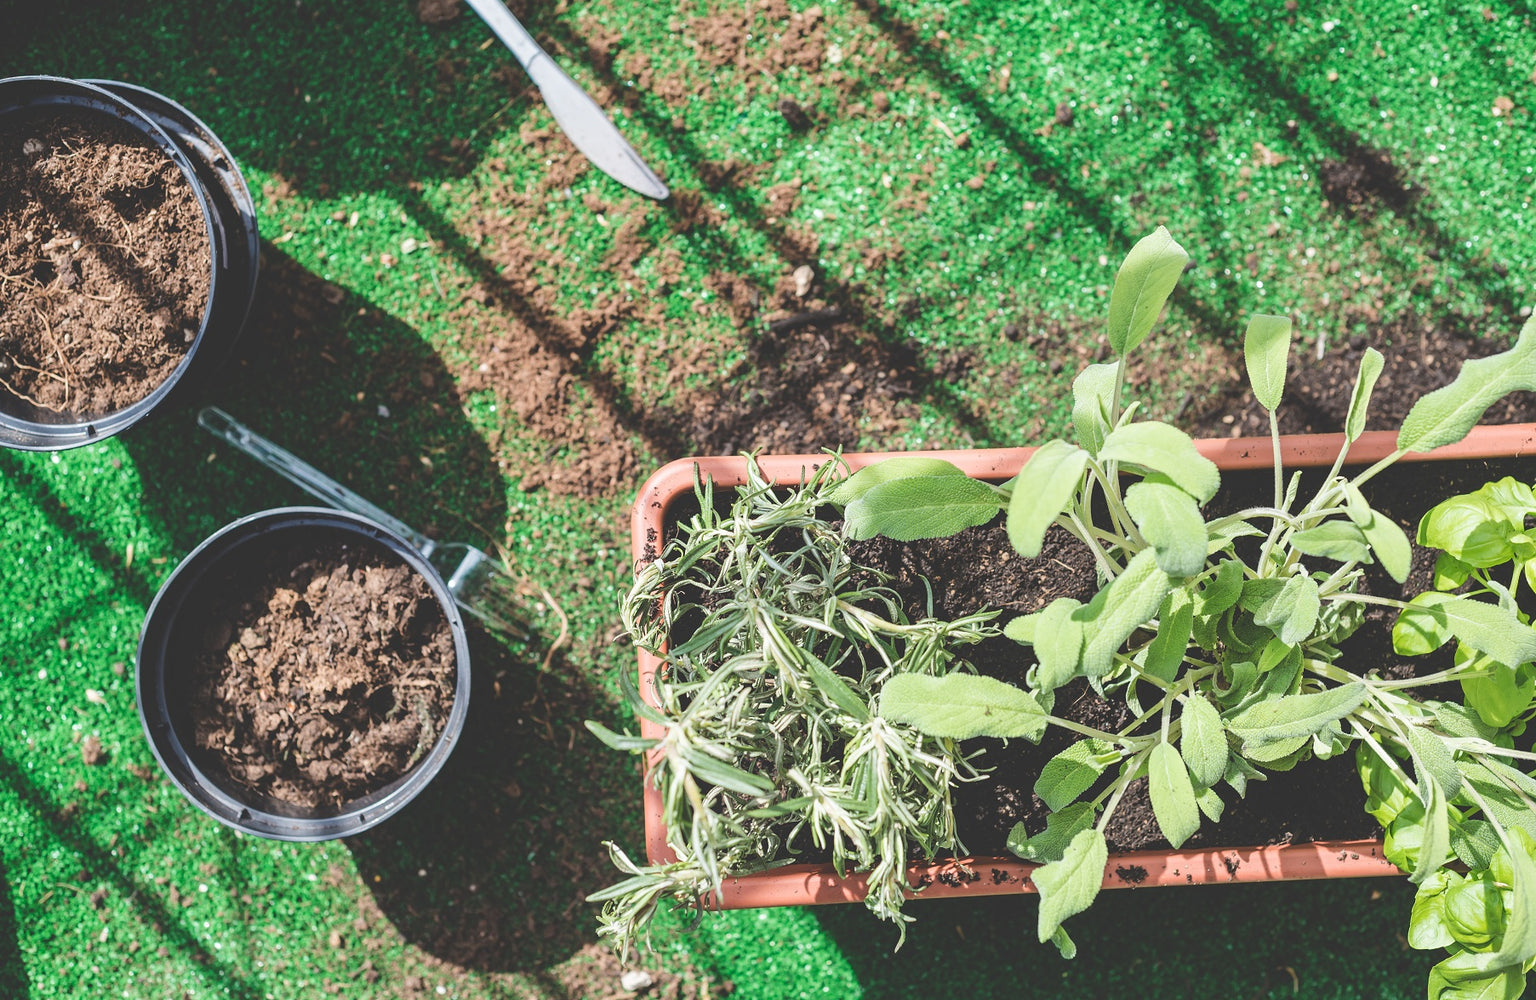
point(104, 264)
point(1317, 800)
point(325, 672)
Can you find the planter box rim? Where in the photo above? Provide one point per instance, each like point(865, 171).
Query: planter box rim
point(808, 884)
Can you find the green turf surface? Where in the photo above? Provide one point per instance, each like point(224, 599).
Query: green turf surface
point(340, 109)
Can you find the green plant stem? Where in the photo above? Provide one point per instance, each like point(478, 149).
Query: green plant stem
point(1274, 437)
point(1117, 512)
point(1363, 731)
point(1106, 565)
point(1120, 786)
point(1378, 468)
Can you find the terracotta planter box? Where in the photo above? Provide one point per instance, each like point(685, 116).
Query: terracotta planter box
point(805, 884)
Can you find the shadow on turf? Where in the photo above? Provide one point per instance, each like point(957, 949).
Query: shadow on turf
point(13, 971)
point(1244, 942)
point(489, 867)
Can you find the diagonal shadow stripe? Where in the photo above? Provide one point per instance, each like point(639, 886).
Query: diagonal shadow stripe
point(99, 865)
point(129, 581)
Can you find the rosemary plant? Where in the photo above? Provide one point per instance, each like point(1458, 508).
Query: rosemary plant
point(776, 647)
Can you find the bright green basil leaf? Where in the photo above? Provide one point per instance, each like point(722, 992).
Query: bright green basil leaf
point(1059, 640)
point(1298, 715)
point(900, 467)
point(1173, 796)
point(1050, 844)
point(1360, 398)
point(1170, 520)
point(1426, 923)
point(1142, 285)
point(1450, 572)
point(1451, 980)
point(1069, 886)
point(1128, 602)
point(1430, 618)
point(1165, 654)
point(1474, 911)
point(1518, 945)
point(1516, 499)
point(922, 507)
point(1047, 483)
point(1202, 741)
point(1386, 796)
point(1499, 697)
point(1447, 414)
point(1471, 528)
point(962, 706)
point(1292, 611)
point(1092, 401)
point(1338, 540)
point(1431, 755)
point(1266, 349)
point(1073, 771)
point(1159, 447)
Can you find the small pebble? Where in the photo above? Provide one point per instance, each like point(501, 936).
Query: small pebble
point(635, 980)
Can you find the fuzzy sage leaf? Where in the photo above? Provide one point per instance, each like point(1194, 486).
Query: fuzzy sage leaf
point(1069, 886)
point(1159, 447)
point(1365, 383)
point(962, 706)
point(900, 467)
point(1447, 414)
point(1173, 796)
point(1142, 285)
point(1294, 716)
point(923, 507)
point(1045, 486)
point(1202, 741)
point(1093, 392)
point(1432, 618)
point(1170, 519)
point(1266, 349)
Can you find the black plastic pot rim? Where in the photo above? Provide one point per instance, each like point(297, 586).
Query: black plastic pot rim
point(173, 752)
point(228, 222)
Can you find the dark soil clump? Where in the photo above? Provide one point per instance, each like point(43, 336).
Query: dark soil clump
point(325, 672)
point(104, 262)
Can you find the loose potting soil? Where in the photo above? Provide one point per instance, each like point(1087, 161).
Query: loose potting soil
point(324, 673)
point(104, 262)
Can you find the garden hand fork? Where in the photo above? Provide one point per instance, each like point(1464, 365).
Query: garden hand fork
point(480, 584)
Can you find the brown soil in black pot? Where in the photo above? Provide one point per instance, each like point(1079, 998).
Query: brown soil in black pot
point(104, 265)
point(324, 672)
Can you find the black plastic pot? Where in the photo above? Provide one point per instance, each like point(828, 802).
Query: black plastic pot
point(163, 684)
point(228, 213)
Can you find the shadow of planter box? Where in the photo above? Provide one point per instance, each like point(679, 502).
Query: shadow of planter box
point(808, 884)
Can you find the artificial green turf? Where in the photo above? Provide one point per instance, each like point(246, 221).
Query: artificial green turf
point(334, 110)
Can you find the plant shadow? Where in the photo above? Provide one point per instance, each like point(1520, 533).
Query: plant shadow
point(1240, 941)
point(489, 868)
point(13, 971)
